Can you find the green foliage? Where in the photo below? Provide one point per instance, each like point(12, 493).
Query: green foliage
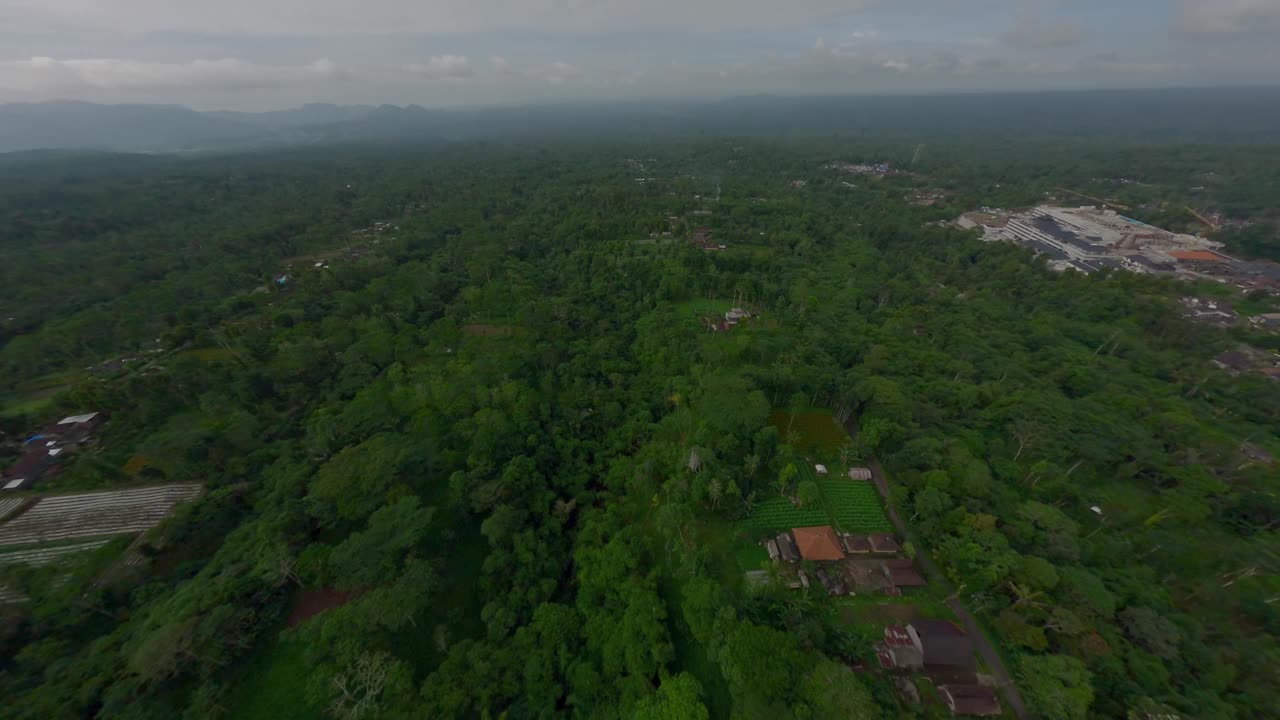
point(481, 425)
point(1057, 686)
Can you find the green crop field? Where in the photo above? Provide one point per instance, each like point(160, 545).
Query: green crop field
point(849, 505)
point(855, 505)
point(699, 308)
point(777, 513)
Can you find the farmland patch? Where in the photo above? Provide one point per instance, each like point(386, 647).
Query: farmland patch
point(118, 512)
point(8, 506)
point(812, 432)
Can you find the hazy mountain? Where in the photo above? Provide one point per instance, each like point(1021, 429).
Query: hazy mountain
point(139, 128)
point(308, 115)
point(1205, 115)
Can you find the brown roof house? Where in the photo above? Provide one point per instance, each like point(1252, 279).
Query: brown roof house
point(818, 544)
point(856, 544)
point(928, 644)
point(902, 573)
point(884, 543)
point(976, 700)
point(1233, 360)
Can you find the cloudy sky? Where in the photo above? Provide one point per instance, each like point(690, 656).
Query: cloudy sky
point(265, 54)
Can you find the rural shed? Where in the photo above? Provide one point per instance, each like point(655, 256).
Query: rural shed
point(819, 544)
point(92, 419)
point(970, 699)
point(1233, 360)
point(787, 549)
point(856, 544)
point(905, 577)
point(884, 543)
point(943, 643)
point(859, 474)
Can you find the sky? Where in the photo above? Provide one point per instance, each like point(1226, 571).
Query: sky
point(274, 54)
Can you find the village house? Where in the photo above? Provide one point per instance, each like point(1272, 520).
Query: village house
point(902, 573)
point(818, 544)
point(1233, 360)
point(884, 544)
point(970, 700)
point(927, 644)
point(43, 452)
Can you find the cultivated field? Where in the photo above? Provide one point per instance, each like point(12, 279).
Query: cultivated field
point(8, 505)
point(41, 555)
point(44, 555)
point(117, 512)
point(849, 505)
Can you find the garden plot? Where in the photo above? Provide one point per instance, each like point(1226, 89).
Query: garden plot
point(42, 556)
point(45, 555)
point(118, 512)
point(8, 505)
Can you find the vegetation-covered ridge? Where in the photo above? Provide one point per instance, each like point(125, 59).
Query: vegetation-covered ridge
point(506, 523)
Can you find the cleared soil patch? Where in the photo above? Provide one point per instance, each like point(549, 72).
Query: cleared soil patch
point(483, 330)
point(309, 603)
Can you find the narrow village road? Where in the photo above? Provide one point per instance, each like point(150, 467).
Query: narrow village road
point(1008, 689)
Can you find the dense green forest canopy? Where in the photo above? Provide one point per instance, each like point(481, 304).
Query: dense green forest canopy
point(472, 427)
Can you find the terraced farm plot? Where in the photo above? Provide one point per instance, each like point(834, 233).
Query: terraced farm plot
point(848, 505)
point(777, 513)
point(44, 555)
point(855, 505)
point(8, 505)
point(117, 512)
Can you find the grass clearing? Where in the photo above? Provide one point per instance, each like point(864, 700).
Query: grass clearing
point(814, 432)
point(209, 354)
point(706, 306)
point(273, 685)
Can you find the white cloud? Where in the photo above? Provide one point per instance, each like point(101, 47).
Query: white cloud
point(1036, 33)
point(1229, 16)
point(558, 73)
point(307, 17)
point(454, 68)
point(40, 75)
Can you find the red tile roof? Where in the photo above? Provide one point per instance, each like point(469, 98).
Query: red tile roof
point(818, 543)
point(1197, 256)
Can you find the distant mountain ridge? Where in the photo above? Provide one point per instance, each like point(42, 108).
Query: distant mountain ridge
point(1202, 115)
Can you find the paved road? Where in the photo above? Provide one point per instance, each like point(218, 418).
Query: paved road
point(1012, 698)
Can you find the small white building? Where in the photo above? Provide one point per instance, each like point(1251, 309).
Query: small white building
point(859, 474)
point(820, 469)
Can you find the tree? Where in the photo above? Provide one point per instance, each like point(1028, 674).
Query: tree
point(376, 554)
point(833, 692)
point(761, 666)
point(1013, 627)
point(1057, 686)
point(678, 698)
point(359, 690)
point(786, 477)
point(808, 493)
point(1151, 631)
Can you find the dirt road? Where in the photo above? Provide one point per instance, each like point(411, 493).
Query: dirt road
point(1009, 690)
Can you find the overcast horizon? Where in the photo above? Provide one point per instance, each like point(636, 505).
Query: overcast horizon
point(275, 54)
